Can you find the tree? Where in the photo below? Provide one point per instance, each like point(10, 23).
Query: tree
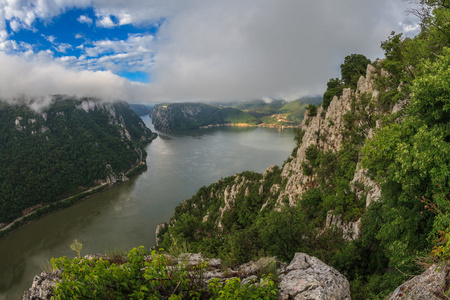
point(335, 87)
point(353, 68)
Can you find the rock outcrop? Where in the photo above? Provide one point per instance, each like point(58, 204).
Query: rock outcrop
point(325, 130)
point(431, 285)
point(306, 277)
point(42, 286)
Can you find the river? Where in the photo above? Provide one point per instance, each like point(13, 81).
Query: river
point(126, 216)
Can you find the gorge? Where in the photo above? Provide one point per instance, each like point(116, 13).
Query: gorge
point(126, 215)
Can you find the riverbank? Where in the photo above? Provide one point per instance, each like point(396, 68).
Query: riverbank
point(263, 125)
point(41, 211)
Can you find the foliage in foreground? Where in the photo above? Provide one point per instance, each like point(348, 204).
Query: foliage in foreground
point(143, 278)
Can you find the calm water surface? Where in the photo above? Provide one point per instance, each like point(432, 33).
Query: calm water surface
point(126, 216)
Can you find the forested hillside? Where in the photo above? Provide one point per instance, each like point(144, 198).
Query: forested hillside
point(366, 190)
point(179, 116)
point(278, 112)
point(68, 147)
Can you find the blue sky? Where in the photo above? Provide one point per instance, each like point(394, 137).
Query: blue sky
point(80, 35)
point(152, 51)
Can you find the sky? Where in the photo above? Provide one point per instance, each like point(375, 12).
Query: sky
point(153, 51)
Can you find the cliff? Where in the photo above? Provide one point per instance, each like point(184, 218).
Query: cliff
point(179, 116)
point(318, 201)
point(325, 134)
point(67, 148)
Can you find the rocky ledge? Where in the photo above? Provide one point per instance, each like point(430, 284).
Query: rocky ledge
point(306, 277)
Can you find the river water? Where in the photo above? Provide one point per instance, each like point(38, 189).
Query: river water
point(126, 216)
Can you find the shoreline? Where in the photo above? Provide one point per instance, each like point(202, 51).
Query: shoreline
point(65, 203)
point(250, 125)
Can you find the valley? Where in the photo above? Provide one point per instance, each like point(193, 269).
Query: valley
point(127, 214)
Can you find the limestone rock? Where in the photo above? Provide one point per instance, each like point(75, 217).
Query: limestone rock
point(42, 286)
point(350, 230)
point(428, 286)
point(307, 277)
point(230, 195)
point(160, 228)
point(325, 130)
point(371, 189)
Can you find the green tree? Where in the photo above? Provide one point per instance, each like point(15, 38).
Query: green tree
point(335, 87)
point(353, 68)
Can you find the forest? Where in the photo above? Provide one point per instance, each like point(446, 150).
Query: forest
point(180, 116)
point(63, 150)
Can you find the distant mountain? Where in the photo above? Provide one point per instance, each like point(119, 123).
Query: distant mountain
point(141, 109)
point(72, 145)
point(179, 116)
point(278, 112)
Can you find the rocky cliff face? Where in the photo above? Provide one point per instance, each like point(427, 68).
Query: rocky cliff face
point(326, 131)
point(176, 116)
point(180, 116)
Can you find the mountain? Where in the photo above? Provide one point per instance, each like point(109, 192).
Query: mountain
point(278, 112)
point(296, 206)
point(141, 109)
point(179, 116)
point(69, 147)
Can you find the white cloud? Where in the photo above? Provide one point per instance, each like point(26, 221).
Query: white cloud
point(133, 54)
point(105, 21)
point(63, 47)
point(40, 78)
point(213, 50)
point(50, 38)
point(410, 28)
point(85, 19)
point(251, 49)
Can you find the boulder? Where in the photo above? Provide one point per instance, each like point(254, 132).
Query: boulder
point(430, 285)
point(307, 277)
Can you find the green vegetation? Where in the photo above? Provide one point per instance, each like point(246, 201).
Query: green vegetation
point(408, 156)
point(179, 116)
point(145, 275)
point(352, 69)
point(62, 151)
point(335, 87)
point(279, 112)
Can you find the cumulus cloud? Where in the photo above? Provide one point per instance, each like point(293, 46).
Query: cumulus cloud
point(40, 78)
point(85, 19)
point(204, 50)
point(105, 21)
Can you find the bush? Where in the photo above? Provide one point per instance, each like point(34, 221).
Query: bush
point(139, 278)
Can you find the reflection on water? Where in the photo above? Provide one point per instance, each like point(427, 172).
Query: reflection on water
point(127, 215)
